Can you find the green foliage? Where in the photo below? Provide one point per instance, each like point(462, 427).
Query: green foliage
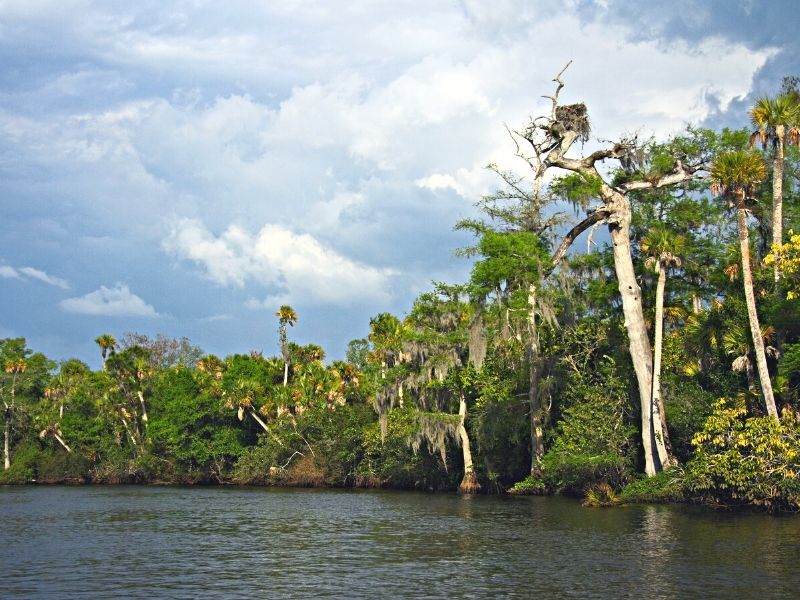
point(666, 486)
point(742, 460)
point(530, 486)
point(390, 461)
point(593, 442)
point(601, 494)
point(191, 429)
point(579, 189)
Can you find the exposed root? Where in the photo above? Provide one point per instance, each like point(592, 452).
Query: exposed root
point(469, 485)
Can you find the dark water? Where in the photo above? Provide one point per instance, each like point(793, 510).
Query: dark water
point(147, 542)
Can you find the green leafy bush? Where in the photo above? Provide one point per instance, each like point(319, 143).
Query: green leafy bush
point(593, 442)
point(530, 486)
point(666, 486)
point(746, 461)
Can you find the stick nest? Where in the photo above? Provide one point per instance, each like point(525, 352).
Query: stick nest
point(571, 117)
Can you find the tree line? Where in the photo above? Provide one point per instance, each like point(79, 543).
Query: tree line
point(662, 363)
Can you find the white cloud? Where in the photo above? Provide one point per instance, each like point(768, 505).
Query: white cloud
point(118, 301)
point(302, 268)
point(44, 277)
point(361, 128)
point(8, 272)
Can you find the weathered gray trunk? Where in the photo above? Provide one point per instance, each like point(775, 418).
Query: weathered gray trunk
point(638, 340)
point(659, 422)
point(534, 398)
point(752, 316)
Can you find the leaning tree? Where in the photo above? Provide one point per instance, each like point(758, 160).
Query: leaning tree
point(550, 138)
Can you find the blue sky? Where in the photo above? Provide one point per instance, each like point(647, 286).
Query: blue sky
point(186, 167)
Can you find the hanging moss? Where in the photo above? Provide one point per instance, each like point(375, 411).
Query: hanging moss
point(435, 429)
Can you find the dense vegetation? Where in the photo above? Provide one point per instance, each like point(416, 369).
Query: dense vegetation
point(662, 364)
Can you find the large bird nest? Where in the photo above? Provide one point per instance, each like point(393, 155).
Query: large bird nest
point(571, 117)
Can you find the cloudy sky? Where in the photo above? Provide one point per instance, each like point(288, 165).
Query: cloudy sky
point(186, 167)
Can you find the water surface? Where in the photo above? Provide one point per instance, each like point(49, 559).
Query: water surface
point(171, 542)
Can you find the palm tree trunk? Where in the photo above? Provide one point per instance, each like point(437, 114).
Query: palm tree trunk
point(534, 399)
point(659, 422)
point(752, 315)
point(264, 426)
point(777, 199)
point(60, 441)
point(469, 484)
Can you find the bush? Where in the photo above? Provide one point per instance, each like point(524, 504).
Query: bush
point(530, 486)
point(666, 486)
point(746, 461)
point(593, 442)
point(390, 461)
point(573, 474)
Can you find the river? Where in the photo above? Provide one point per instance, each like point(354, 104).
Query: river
point(227, 542)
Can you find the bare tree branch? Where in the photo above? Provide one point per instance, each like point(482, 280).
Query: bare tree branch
point(679, 175)
point(597, 216)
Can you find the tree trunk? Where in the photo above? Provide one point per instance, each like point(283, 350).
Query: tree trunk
point(751, 376)
point(469, 484)
point(638, 341)
point(534, 399)
point(285, 373)
point(752, 316)
point(264, 426)
point(6, 456)
point(659, 412)
point(144, 410)
point(60, 441)
point(777, 199)
point(777, 228)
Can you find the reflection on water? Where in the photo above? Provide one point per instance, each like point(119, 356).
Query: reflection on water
point(143, 542)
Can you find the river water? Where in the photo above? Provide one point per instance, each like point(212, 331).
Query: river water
point(172, 542)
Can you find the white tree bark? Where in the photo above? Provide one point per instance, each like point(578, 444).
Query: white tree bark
point(752, 314)
point(264, 426)
point(659, 422)
point(469, 484)
point(534, 399)
point(6, 455)
point(62, 442)
point(144, 409)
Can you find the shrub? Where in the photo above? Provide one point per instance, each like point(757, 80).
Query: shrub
point(530, 486)
point(593, 441)
point(666, 486)
point(746, 461)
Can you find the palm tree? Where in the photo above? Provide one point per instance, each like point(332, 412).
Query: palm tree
point(107, 343)
point(286, 316)
point(242, 398)
point(55, 394)
point(662, 247)
point(777, 121)
point(14, 367)
point(734, 176)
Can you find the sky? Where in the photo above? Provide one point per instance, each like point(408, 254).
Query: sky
point(185, 168)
